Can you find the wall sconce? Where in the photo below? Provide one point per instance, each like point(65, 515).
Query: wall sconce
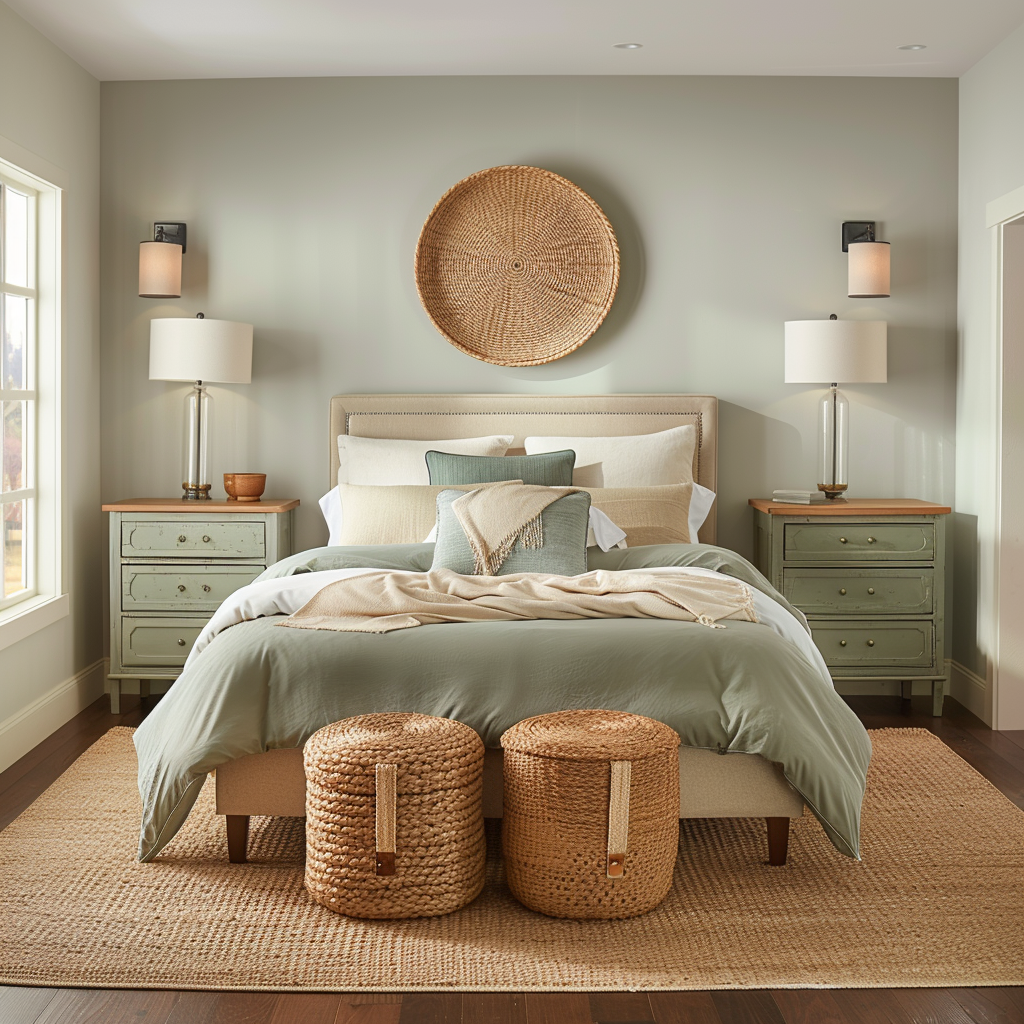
point(869, 261)
point(160, 262)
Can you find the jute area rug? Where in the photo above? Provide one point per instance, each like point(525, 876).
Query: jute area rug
point(938, 900)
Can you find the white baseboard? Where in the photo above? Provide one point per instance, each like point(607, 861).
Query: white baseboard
point(971, 690)
point(45, 715)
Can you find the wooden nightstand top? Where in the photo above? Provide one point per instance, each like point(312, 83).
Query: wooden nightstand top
point(180, 505)
point(854, 507)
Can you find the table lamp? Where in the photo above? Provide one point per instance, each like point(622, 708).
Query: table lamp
point(204, 352)
point(832, 352)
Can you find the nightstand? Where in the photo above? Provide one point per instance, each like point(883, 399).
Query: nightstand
point(172, 562)
point(870, 577)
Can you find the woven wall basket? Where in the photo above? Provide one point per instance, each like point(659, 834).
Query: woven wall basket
point(517, 266)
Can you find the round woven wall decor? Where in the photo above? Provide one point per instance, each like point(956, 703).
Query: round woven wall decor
point(517, 266)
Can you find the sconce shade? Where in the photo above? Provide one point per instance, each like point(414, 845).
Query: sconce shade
point(835, 351)
point(159, 270)
point(869, 270)
point(215, 351)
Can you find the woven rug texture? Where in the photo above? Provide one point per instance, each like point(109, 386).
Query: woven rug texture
point(938, 900)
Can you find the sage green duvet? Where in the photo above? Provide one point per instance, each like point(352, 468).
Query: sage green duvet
point(744, 688)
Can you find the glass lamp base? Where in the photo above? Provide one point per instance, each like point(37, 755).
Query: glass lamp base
point(833, 492)
point(200, 492)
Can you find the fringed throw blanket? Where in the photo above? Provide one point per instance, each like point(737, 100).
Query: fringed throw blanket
point(494, 518)
point(379, 602)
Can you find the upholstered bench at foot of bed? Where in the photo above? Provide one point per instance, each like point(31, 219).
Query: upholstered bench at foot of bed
point(710, 786)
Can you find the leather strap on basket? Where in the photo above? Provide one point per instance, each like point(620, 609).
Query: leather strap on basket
point(618, 818)
point(386, 799)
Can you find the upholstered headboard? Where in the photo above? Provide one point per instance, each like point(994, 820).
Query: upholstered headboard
point(437, 417)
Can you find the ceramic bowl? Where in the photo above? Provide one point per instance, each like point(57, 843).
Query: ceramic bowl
point(245, 486)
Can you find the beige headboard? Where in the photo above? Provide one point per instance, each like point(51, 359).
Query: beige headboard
point(437, 417)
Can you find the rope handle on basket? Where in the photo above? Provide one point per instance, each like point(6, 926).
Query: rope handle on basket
point(386, 793)
point(618, 818)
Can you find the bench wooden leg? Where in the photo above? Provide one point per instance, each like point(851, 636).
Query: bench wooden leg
point(238, 836)
point(778, 840)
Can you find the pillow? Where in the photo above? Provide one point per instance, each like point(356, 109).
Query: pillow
point(386, 461)
point(649, 515)
point(638, 460)
point(700, 507)
point(552, 469)
point(387, 515)
point(603, 533)
point(564, 552)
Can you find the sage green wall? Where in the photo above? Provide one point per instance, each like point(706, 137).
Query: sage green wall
point(51, 108)
point(304, 198)
point(991, 165)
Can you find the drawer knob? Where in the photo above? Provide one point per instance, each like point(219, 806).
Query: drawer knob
point(871, 590)
point(181, 643)
point(871, 643)
point(842, 643)
point(871, 540)
point(181, 587)
point(206, 540)
point(842, 590)
point(842, 540)
point(181, 538)
point(206, 588)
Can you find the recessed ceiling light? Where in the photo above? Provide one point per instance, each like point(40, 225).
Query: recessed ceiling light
point(913, 46)
point(629, 46)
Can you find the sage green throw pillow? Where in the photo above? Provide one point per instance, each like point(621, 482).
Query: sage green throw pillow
point(552, 469)
point(564, 552)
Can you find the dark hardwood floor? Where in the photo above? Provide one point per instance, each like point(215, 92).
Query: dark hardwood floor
point(998, 756)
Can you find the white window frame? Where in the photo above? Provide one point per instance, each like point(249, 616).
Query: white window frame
point(46, 600)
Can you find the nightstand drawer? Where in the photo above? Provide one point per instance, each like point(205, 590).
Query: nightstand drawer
point(875, 644)
point(158, 642)
point(205, 539)
point(861, 542)
point(197, 588)
point(860, 591)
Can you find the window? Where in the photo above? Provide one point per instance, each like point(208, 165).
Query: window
point(32, 593)
point(18, 305)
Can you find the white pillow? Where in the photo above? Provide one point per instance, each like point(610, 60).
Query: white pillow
point(391, 462)
point(700, 506)
point(636, 460)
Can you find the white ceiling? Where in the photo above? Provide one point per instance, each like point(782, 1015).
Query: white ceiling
point(156, 39)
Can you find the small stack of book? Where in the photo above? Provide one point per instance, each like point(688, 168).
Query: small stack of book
point(788, 497)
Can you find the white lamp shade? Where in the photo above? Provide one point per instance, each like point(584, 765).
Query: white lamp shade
point(868, 270)
point(159, 270)
point(218, 351)
point(836, 351)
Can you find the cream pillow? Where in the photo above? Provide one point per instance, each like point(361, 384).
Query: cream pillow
point(649, 515)
point(387, 461)
point(636, 460)
point(402, 514)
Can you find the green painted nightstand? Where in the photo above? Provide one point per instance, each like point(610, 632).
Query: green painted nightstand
point(172, 562)
point(870, 577)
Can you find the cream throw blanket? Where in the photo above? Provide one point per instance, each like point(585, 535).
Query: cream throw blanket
point(379, 602)
point(494, 518)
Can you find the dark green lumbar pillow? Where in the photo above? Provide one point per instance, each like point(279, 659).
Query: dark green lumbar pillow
point(552, 469)
point(563, 553)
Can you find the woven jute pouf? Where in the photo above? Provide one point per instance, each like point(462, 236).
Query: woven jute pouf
point(394, 816)
point(591, 813)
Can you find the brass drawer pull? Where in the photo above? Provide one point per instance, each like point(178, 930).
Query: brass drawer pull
point(842, 590)
point(182, 538)
point(206, 540)
point(842, 540)
point(842, 643)
point(181, 587)
point(206, 588)
point(871, 590)
point(871, 643)
point(181, 643)
point(871, 540)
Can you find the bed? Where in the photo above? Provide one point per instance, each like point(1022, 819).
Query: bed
point(750, 782)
